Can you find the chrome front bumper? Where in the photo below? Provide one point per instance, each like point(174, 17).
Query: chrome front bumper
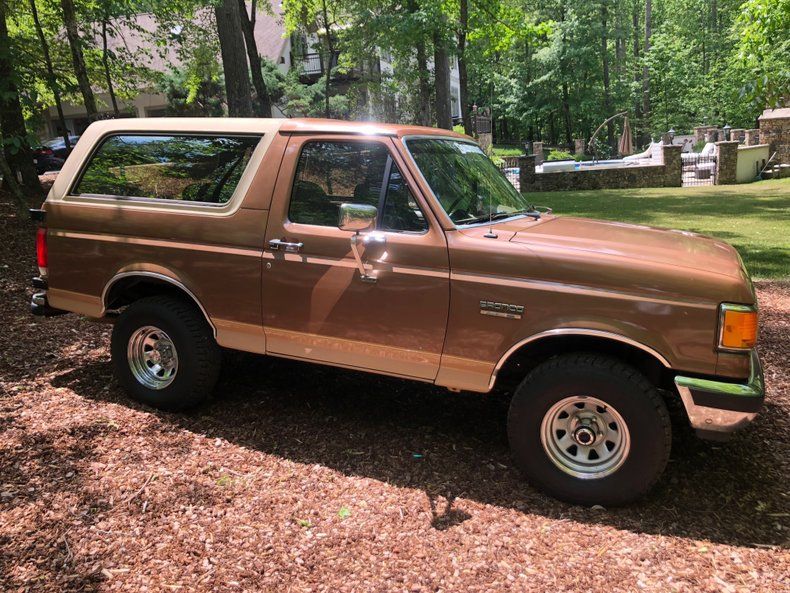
point(715, 408)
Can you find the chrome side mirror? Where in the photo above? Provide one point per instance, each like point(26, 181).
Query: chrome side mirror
point(357, 217)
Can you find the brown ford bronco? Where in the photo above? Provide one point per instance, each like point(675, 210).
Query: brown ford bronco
point(404, 251)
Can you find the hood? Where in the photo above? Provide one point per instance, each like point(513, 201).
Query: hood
point(680, 249)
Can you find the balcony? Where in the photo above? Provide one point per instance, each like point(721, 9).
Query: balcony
point(312, 67)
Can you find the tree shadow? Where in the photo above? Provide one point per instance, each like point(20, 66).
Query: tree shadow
point(415, 435)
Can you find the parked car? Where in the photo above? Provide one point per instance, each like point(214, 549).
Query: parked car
point(59, 148)
point(51, 155)
point(45, 160)
point(404, 251)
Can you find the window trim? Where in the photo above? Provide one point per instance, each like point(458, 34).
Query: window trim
point(384, 191)
point(241, 187)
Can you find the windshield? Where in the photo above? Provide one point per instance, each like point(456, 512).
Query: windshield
point(467, 184)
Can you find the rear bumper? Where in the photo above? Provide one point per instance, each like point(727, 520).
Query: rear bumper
point(39, 305)
point(716, 409)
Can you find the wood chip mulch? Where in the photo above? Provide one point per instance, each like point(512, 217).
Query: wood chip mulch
point(307, 478)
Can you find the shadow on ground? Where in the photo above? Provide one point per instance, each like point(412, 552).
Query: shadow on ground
point(454, 445)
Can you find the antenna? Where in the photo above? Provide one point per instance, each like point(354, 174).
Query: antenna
point(490, 234)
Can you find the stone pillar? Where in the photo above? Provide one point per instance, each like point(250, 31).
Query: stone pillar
point(526, 172)
point(737, 134)
point(673, 165)
point(537, 151)
point(751, 137)
point(726, 162)
point(579, 145)
point(485, 141)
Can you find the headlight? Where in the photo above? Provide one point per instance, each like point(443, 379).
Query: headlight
point(737, 327)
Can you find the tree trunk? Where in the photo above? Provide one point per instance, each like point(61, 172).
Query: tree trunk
point(234, 59)
point(12, 122)
point(566, 109)
point(9, 180)
point(330, 49)
point(441, 72)
point(607, 95)
point(462, 75)
point(645, 72)
point(105, 60)
point(640, 126)
point(77, 59)
point(263, 104)
point(51, 78)
point(566, 114)
point(424, 110)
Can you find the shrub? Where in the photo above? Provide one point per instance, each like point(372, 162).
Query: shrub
point(508, 150)
point(559, 155)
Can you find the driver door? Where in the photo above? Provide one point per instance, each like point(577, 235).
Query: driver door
point(316, 304)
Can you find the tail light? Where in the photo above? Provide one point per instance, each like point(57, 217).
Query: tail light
point(42, 257)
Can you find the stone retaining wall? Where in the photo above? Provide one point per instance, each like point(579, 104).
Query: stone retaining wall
point(775, 131)
point(666, 174)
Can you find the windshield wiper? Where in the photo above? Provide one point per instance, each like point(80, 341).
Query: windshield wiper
point(525, 212)
point(531, 211)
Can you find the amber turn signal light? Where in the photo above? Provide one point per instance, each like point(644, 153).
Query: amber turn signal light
point(738, 327)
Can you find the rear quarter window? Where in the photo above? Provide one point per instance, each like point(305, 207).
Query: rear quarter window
point(201, 169)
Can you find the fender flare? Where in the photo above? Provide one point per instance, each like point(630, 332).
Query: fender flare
point(575, 331)
point(157, 276)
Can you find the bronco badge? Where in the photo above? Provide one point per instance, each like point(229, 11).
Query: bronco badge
point(501, 309)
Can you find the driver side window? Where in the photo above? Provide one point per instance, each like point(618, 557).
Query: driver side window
point(331, 173)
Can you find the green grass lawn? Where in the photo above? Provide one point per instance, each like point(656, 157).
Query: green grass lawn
point(754, 217)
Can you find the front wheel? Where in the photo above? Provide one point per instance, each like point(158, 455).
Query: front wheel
point(164, 354)
point(589, 429)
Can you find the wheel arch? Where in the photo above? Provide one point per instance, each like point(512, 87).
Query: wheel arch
point(128, 286)
point(536, 348)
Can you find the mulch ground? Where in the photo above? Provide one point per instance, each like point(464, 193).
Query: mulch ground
point(308, 478)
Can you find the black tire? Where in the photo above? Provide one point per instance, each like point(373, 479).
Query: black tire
point(199, 356)
point(620, 386)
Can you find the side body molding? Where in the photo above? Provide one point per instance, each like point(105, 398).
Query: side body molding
point(574, 331)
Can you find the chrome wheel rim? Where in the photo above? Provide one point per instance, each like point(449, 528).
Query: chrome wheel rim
point(585, 437)
point(152, 357)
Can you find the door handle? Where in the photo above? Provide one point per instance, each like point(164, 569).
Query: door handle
point(278, 245)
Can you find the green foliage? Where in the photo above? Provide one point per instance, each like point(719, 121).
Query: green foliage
point(538, 66)
point(762, 30)
point(508, 150)
point(196, 90)
point(559, 155)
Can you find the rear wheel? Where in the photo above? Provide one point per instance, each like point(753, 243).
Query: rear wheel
point(164, 353)
point(589, 429)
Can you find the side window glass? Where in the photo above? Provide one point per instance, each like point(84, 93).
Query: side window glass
point(185, 168)
point(330, 173)
point(401, 211)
